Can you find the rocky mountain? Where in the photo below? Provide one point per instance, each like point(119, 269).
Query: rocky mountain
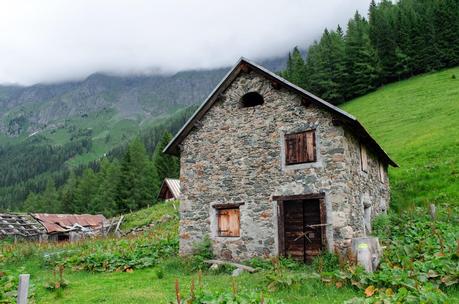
point(43, 107)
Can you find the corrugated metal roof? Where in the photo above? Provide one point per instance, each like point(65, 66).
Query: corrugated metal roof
point(64, 222)
point(171, 184)
point(174, 186)
point(16, 224)
point(172, 147)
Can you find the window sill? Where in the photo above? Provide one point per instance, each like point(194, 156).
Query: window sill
point(315, 164)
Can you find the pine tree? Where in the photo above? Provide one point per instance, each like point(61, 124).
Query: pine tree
point(67, 194)
point(50, 198)
point(105, 198)
point(85, 192)
point(383, 36)
point(446, 23)
point(331, 67)
point(134, 189)
point(361, 59)
point(166, 165)
point(295, 72)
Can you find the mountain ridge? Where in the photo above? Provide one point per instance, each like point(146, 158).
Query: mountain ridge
point(26, 110)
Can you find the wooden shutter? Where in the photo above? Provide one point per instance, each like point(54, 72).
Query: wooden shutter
point(291, 149)
point(381, 172)
point(311, 146)
point(300, 148)
point(363, 158)
point(229, 222)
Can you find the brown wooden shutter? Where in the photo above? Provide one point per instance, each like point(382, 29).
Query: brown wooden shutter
point(228, 222)
point(311, 146)
point(291, 149)
point(363, 158)
point(300, 148)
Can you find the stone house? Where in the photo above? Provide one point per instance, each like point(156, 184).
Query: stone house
point(269, 169)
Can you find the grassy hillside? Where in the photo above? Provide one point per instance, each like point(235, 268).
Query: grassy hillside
point(417, 123)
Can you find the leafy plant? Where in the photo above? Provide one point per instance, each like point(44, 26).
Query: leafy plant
point(281, 278)
point(202, 251)
point(58, 281)
point(200, 295)
point(420, 259)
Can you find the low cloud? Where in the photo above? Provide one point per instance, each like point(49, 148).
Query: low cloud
point(51, 41)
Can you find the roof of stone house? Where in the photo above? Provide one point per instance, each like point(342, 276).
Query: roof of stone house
point(19, 224)
point(55, 223)
point(244, 65)
point(173, 185)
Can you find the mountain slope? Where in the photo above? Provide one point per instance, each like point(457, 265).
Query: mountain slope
point(417, 122)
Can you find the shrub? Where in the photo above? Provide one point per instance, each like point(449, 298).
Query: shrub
point(326, 262)
point(200, 295)
point(420, 260)
point(202, 251)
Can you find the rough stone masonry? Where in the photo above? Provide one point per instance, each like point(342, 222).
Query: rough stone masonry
point(235, 155)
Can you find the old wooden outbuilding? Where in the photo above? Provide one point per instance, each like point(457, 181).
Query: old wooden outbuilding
point(170, 190)
point(20, 226)
point(269, 169)
point(70, 227)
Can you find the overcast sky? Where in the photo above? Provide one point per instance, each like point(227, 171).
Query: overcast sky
point(52, 41)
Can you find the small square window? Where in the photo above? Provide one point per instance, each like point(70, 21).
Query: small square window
point(229, 222)
point(300, 148)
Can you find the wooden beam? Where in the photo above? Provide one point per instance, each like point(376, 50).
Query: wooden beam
point(245, 68)
point(275, 84)
point(298, 196)
point(305, 102)
point(227, 206)
point(244, 267)
point(23, 288)
point(337, 122)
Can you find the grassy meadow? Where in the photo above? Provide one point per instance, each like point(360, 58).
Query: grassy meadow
point(417, 122)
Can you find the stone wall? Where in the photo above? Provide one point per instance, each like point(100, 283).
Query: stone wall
point(236, 156)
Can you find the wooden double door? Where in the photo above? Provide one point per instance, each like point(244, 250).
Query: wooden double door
point(303, 232)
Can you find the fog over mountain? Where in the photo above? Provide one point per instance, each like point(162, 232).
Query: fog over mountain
point(54, 41)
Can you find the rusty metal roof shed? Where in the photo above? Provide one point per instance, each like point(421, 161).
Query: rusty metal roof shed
point(55, 223)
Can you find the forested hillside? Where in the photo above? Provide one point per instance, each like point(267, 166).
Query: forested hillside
point(415, 120)
point(37, 166)
point(396, 41)
point(48, 130)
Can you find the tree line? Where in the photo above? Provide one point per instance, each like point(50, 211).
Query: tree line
point(116, 186)
point(397, 41)
point(36, 174)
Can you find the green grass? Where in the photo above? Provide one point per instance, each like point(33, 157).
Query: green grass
point(417, 122)
point(143, 286)
point(149, 215)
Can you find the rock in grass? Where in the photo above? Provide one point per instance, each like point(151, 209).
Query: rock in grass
point(237, 272)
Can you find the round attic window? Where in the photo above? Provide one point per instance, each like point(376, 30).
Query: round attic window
point(251, 99)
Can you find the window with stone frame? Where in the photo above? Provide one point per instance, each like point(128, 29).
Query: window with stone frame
point(229, 222)
point(300, 148)
point(363, 158)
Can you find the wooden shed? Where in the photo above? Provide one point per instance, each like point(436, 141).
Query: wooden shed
point(170, 190)
point(70, 227)
point(20, 226)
